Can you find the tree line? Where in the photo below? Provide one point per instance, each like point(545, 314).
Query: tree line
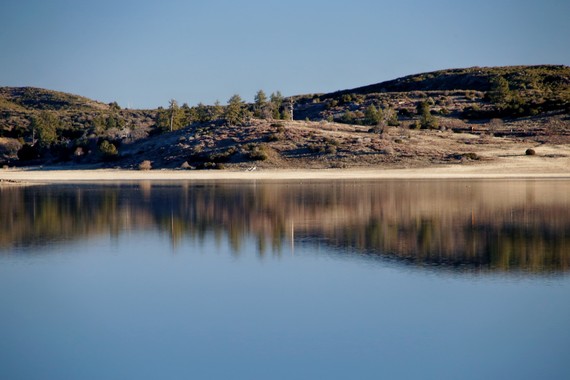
point(235, 112)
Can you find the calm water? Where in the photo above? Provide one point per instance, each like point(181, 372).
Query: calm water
point(322, 280)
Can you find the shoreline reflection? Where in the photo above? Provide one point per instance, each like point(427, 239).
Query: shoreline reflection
point(486, 226)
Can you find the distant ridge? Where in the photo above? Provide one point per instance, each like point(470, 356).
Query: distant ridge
point(538, 77)
point(32, 98)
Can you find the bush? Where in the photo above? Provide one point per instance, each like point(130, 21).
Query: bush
point(108, 149)
point(210, 165)
point(275, 136)
point(145, 165)
point(471, 156)
point(377, 129)
point(530, 152)
point(331, 149)
point(257, 153)
point(28, 152)
point(416, 125)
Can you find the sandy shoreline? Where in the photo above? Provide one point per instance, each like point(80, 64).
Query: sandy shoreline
point(514, 168)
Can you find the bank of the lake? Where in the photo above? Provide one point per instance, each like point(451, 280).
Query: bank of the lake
point(514, 167)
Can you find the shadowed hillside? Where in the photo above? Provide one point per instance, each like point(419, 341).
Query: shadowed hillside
point(542, 79)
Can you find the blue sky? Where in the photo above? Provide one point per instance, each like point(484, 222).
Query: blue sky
point(143, 53)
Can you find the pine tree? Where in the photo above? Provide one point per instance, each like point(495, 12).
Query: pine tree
point(373, 115)
point(500, 92)
point(202, 113)
point(276, 100)
point(217, 110)
point(170, 119)
point(176, 115)
point(235, 114)
point(44, 128)
point(427, 120)
point(260, 105)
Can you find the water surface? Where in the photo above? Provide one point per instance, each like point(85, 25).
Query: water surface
point(344, 279)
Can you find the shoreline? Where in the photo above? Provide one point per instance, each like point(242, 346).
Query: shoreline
point(54, 175)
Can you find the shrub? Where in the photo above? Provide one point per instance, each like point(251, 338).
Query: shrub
point(316, 148)
point(108, 149)
point(530, 152)
point(257, 153)
point(416, 125)
point(346, 98)
point(275, 136)
point(210, 165)
point(348, 117)
point(471, 156)
point(377, 129)
point(28, 152)
point(145, 165)
point(331, 149)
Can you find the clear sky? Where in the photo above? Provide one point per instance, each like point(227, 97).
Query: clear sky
point(144, 53)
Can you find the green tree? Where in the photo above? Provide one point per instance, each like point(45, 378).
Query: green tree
point(260, 105)
point(235, 113)
point(391, 117)
point(189, 115)
point(427, 120)
point(500, 92)
point(162, 119)
point(114, 106)
point(202, 113)
point(108, 149)
point(44, 128)
point(276, 101)
point(348, 117)
point(373, 115)
point(170, 119)
point(217, 110)
point(176, 116)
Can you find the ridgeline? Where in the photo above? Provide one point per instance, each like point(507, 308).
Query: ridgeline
point(447, 116)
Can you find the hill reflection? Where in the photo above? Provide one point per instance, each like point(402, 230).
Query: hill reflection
point(469, 225)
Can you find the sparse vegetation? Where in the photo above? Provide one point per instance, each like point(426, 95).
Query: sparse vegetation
point(256, 152)
point(499, 105)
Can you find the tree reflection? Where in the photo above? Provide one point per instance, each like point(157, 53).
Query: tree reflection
point(469, 225)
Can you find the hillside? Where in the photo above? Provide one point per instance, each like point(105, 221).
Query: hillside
point(448, 116)
point(538, 78)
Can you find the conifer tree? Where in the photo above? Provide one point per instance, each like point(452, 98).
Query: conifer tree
point(44, 128)
point(373, 115)
point(276, 100)
point(235, 114)
point(202, 113)
point(427, 120)
point(260, 105)
point(217, 110)
point(500, 92)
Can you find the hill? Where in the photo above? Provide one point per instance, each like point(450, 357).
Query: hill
point(541, 78)
point(447, 116)
point(31, 98)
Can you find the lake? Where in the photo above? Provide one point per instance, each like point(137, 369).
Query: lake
point(286, 280)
